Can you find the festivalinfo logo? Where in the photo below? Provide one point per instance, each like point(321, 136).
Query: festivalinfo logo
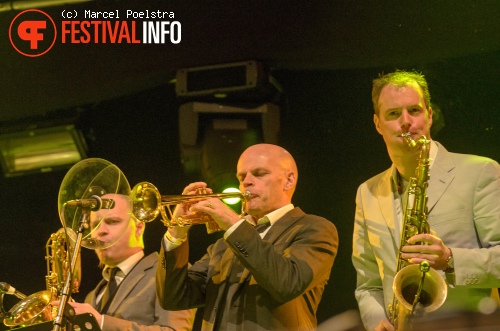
point(33, 32)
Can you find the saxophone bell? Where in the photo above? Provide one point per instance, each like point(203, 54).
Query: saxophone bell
point(37, 307)
point(418, 292)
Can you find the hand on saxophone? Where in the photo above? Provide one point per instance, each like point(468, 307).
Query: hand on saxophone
point(81, 308)
point(427, 247)
point(384, 325)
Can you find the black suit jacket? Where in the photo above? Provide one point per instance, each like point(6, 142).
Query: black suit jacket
point(250, 283)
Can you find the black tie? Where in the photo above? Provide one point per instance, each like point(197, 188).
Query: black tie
point(262, 224)
point(110, 288)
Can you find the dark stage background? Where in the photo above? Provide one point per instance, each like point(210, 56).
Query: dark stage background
point(326, 123)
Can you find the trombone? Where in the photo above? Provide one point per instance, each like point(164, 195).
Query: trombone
point(147, 204)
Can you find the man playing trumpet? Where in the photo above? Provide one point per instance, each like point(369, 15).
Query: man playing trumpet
point(252, 280)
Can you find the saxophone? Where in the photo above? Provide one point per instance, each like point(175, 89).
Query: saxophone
point(418, 289)
point(36, 308)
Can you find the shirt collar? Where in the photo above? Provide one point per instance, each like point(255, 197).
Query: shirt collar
point(432, 156)
point(278, 213)
point(126, 265)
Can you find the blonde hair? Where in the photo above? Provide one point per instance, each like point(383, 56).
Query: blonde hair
point(399, 79)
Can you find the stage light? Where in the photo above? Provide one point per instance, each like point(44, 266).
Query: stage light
point(219, 80)
point(41, 150)
point(224, 109)
point(213, 136)
point(231, 201)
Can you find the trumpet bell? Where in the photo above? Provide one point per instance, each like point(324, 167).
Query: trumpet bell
point(146, 202)
point(406, 284)
point(36, 308)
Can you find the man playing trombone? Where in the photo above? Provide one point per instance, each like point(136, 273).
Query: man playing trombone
point(252, 280)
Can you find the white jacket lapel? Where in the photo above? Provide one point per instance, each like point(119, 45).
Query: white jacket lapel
point(385, 198)
point(441, 175)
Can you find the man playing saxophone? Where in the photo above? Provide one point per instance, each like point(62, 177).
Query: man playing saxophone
point(132, 303)
point(462, 208)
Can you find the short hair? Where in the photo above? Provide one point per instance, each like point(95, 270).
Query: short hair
point(399, 79)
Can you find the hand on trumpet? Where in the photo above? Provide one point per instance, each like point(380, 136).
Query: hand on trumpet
point(193, 188)
point(183, 209)
point(204, 208)
point(224, 216)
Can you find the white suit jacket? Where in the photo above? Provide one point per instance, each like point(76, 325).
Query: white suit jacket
point(464, 210)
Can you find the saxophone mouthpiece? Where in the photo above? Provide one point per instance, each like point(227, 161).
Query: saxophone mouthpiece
point(409, 140)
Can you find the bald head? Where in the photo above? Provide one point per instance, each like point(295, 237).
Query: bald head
point(273, 154)
point(270, 173)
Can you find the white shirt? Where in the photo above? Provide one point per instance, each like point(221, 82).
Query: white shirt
point(272, 216)
point(400, 196)
point(125, 267)
point(171, 242)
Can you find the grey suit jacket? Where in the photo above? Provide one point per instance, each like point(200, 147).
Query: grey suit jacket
point(135, 305)
point(464, 210)
point(250, 283)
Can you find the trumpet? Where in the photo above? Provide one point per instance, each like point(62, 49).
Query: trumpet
point(147, 204)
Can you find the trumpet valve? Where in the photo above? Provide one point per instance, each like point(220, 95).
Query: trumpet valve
point(212, 227)
point(195, 218)
point(201, 190)
point(198, 218)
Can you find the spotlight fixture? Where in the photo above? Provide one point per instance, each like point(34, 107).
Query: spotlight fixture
point(219, 79)
point(246, 81)
point(212, 136)
point(41, 150)
point(224, 108)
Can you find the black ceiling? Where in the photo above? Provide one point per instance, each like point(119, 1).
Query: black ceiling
point(288, 35)
point(325, 121)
